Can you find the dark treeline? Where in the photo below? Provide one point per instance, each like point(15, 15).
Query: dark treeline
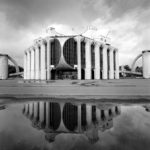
point(128, 68)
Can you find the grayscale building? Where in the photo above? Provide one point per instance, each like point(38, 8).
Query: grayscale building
point(70, 57)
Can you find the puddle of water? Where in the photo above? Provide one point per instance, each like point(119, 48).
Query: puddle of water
point(62, 125)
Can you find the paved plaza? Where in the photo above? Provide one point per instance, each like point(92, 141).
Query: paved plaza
point(80, 89)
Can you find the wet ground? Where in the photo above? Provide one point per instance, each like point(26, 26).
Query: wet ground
point(61, 125)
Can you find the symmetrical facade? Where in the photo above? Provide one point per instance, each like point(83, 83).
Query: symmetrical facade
point(74, 57)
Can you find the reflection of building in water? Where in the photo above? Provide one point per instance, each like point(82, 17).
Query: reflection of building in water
point(55, 118)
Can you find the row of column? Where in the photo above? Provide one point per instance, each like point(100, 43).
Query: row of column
point(37, 61)
point(39, 112)
point(113, 74)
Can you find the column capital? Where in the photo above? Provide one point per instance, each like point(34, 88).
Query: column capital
point(79, 38)
point(36, 46)
point(116, 49)
point(49, 39)
point(32, 48)
point(105, 46)
point(42, 41)
point(87, 40)
point(28, 50)
point(97, 44)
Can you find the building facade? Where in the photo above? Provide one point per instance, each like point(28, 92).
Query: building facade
point(70, 57)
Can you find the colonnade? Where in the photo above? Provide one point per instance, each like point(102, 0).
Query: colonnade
point(63, 117)
point(37, 59)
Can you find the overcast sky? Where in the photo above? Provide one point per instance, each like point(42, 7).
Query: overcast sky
point(21, 21)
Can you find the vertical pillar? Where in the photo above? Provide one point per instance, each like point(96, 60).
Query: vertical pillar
point(32, 63)
point(98, 114)
point(105, 62)
point(79, 57)
point(48, 59)
point(31, 109)
point(111, 64)
point(25, 66)
point(79, 118)
point(116, 64)
point(37, 62)
point(97, 61)
point(47, 115)
point(28, 64)
point(88, 114)
point(41, 112)
point(88, 60)
point(43, 60)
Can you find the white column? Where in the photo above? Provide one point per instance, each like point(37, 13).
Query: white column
point(43, 60)
point(31, 109)
point(48, 59)
point(41, 118)
point(25, 66)
point(116, 65)
point(47, 115)
point(89, 114)
point(28, 64)
point(79, 119)
point(111, 63)
point(32, 63)
point(97, 61)
point(98, 114)
point(104, 74)
point(88, 60)
point(37, 63)
point(79, 57)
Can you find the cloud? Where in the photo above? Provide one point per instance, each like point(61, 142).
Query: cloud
point(22, 21)
point(27, 12)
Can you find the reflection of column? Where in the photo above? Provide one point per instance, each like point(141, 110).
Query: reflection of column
point(41, 118)
point(32, 63)
point(117, 65)
point(79, 58)
point(111, 64)
point(43, 60)
point(106, 113)
point(98, 114)
point(105, 62)
point(26, 109)
point(89, 114)
point(30, 109)
point(25, 66)
point(37, 63)
point(47, 115)
point(113, 110)
point(28, 64)
point(79, 118)
point(88, 60)
point(35, 116)
point(97, 61)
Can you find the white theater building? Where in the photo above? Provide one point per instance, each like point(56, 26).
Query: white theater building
point(70, 57)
